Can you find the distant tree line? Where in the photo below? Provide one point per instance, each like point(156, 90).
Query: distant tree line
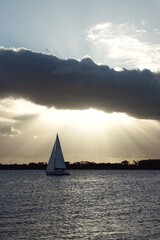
point(150, 164)
point(34, 166)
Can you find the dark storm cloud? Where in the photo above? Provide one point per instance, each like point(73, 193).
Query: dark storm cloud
point(71, 84)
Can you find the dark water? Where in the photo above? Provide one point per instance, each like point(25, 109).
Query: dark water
point(85, 205)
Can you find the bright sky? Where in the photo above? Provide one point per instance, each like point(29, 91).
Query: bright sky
point(122, 34)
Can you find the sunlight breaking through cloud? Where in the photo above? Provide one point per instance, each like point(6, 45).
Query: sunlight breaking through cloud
point(85, 134)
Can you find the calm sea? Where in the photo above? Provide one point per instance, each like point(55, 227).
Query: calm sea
point(98, 205)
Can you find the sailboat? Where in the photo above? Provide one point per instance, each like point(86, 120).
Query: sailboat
point(56, 164)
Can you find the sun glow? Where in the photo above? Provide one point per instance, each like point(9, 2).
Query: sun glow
point(85, 134)
point(90, 120)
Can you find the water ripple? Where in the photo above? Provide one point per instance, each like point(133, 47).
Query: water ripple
point(97, 205)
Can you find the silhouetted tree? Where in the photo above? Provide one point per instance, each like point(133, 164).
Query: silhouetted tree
point(125, 163)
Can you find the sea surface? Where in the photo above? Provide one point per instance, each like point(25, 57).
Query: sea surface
point(98, 205)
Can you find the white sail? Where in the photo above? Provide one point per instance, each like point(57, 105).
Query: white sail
point(56, 160)
point(59, 159)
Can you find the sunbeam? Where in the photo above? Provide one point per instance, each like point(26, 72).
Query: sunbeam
point(85, 134)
